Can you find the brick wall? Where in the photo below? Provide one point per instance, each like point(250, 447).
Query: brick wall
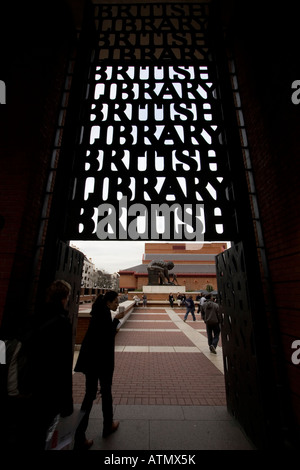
point(184, 248)
point(82, 326)
point(35, 58)
point(266, 60)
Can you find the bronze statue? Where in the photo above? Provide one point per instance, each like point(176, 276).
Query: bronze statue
point(158, 273)
point(175, 281)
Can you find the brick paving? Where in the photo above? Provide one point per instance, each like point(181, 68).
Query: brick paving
point(152, 338)
point(145, 316)
point(135, 324)
point(182, 376)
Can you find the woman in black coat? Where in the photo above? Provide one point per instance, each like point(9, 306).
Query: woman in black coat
point(96, 361)
point(47, 340)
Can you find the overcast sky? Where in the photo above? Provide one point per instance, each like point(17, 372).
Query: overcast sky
point(113, 256)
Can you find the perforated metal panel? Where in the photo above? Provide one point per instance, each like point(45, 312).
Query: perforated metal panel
point(246, 381)
point(151, 162)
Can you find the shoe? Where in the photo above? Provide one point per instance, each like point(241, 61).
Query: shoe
point(212, 349)
point(184, 320)
point(113, 428)
point(85, 445)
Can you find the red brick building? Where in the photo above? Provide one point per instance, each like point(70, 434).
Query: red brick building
point(194, 265)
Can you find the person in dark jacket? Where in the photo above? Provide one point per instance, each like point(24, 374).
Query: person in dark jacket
point(45, 373)
point(96, 361)
point(190, 307)
point(211, 317)
point(53, 362)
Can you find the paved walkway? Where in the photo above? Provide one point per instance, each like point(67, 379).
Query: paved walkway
point(168, 388)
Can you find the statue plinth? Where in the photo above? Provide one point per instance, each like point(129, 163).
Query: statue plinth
point(153, 278)
point(163, 289)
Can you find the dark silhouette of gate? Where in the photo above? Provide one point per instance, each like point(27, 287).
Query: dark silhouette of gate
point(69, 265)
point(246, 353)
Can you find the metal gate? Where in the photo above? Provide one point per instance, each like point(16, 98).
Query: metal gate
point(247, 363)
point(152, 160)
point(69, 267)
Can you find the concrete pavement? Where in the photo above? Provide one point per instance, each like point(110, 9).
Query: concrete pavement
point(168, 388)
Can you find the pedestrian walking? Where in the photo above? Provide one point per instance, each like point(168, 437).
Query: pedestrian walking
point(96, 361)
point(144, 300)
point(201, 302)
point(211, 317)
point(190, 308)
